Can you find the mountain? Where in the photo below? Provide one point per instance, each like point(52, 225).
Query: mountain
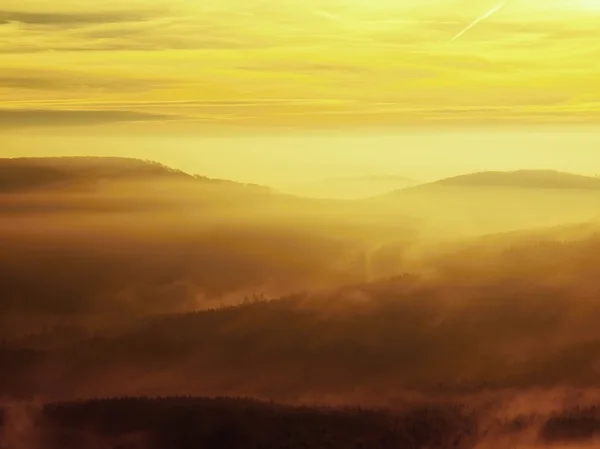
point(521, 317)
point(239, 423)
point(350, 188)
point(492, 202)
point(234, 423)
point(33, 174)
point(529, 179)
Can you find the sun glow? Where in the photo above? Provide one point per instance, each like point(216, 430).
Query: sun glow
point(590, 4)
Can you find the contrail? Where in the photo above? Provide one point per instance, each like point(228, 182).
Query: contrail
point(488, 14)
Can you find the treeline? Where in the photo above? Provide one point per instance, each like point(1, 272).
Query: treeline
point(230, 423)
point(27, 174)
point(358, 343)
point(574, 425)
point(178, 423)
point(140, 271)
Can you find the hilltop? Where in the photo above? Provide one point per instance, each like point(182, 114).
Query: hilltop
point(529, 179)
point(494, 314)
point(491, 202)
point(32, 174)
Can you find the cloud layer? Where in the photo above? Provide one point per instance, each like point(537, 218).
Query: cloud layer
point(303, 64)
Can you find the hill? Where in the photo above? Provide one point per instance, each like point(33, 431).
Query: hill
point(229, 423)
point(520, 179)
point(519, 315)
point(492, 202)
point(232, 423)
point(34, 174)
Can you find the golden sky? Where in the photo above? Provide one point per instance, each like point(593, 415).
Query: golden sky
point(286, 91)
point(298, 63)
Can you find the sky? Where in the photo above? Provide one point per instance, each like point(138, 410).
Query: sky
point(256, 89)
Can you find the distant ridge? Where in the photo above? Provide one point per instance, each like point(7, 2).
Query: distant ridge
point(24, 174)
point(350, 187)
point(527, 179)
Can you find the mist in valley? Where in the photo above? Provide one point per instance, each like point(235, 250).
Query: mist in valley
point(459, 313)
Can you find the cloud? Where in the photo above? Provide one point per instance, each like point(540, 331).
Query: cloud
point(68, 19)
point(17, 118)
point(73, 81)
point(307, 67)
point(234, 58)
point(150, 34)
point(31, 82)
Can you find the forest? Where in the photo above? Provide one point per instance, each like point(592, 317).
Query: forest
point(224, 315)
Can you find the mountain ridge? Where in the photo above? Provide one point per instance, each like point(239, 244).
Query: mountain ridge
point(529, 178)
point(34, 173)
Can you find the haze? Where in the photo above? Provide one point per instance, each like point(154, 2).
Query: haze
point(279, 86)
point(299, 224)
point(285, 160)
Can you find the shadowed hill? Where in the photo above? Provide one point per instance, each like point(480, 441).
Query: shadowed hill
point(490, 202)
point(27, 174)
point(467, 205)
point(184, 422)
point(35, 173)
point(231, 423)
point(228, 423)
point(57, 185)
point(521, 316)
point(520, 179)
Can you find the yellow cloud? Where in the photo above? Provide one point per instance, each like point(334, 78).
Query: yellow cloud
point(302, 63)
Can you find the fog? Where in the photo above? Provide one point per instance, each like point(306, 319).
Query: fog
point(135, 280)
point(284, 157)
